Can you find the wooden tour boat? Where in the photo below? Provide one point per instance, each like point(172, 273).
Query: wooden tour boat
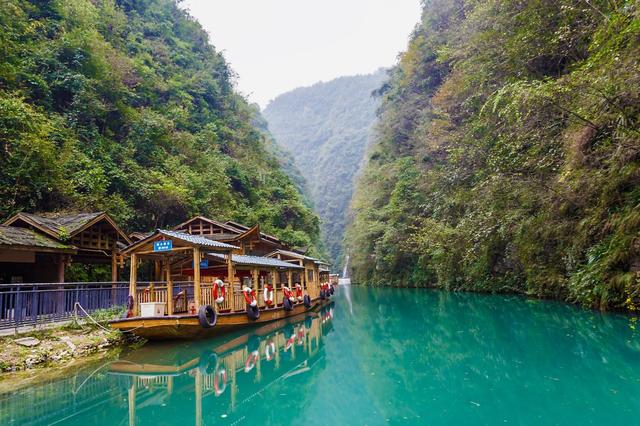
point(222, 379)
point(206, 284)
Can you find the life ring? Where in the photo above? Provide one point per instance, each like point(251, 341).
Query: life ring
point(288, 294)
point(207, 316)
point(253, 312)
point(289, 343)
point(220, 375)
point(251, 361)
point(250, 296)
point(268, 295)
point(219, 291)
point(270, 350)
point(307, 301)
point(286, 303)
point(299, 292)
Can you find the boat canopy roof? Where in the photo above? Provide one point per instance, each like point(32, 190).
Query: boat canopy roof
point(257, 261)
point(185, 239)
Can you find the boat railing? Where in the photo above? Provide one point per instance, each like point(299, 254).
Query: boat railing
point(183, 296)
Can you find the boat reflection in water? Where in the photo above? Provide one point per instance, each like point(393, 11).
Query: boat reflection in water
point(258, 376)
point(207, 383)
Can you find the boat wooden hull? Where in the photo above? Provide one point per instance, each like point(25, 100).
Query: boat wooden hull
point(188, 326)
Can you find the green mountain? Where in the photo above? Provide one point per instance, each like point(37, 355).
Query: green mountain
point(508, 154)
point(326, 129)
point(125, 106)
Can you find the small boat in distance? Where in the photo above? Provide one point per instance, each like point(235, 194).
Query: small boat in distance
point(212, 286)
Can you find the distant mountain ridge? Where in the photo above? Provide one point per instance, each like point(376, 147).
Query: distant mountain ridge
point(326, 128)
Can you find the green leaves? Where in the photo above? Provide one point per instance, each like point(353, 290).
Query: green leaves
point(125, 107)
point(527, 152)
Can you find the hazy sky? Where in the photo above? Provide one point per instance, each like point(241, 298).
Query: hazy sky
point(277, 45)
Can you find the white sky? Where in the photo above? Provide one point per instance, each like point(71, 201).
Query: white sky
point(277, 45)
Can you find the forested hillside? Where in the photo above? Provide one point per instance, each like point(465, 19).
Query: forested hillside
point(326, 128)
point(507, 154)
point(125, 106)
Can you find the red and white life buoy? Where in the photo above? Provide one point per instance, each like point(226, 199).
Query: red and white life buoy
point(220, 375)
point(251, 361)
point(289, 343)
point(270, 350)
point(299, 292)
point(268, 294)
point(288, 294)
point(250, 296)
point(219, 291)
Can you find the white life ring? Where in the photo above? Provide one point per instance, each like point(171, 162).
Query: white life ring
point(270, 350)
point(251, 361)
point(218, 285)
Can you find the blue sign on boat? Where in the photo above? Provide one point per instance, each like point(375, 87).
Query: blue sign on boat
point(163, 245)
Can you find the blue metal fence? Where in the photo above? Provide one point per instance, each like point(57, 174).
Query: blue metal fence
point(42, 303)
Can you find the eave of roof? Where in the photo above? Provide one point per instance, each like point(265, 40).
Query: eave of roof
point(14, 237)
point(211, 221)
point(292, 254)
point(60, 226)
point(257, 261)
point(195, 240)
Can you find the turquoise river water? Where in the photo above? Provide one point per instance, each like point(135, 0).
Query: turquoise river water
point(376, 357)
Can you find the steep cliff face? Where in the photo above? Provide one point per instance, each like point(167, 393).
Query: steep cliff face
point(125, 106)
point(326, 129)
point(507, 155)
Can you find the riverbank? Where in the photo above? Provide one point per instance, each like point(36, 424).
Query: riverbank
point(57, 347)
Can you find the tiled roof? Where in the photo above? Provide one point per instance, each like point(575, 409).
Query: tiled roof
point(61, 224)
point(14, 236)
point(293, 254)
point(195, 239)
point(257, 261)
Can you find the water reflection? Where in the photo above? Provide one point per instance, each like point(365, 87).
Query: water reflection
point(405, 356)
point(187, 383)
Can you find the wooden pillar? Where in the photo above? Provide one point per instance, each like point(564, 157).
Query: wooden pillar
point(114, 266)
point(277, 351)
point(132, 281)
point(114, 276)
point(255, 275)
point(157, 270)
point(62, 259)
point(196, 277)
point(170, 385)
point(230, 272)
point(132, 402)
point(169, 289)
point(289, 278)
point(198, 385)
